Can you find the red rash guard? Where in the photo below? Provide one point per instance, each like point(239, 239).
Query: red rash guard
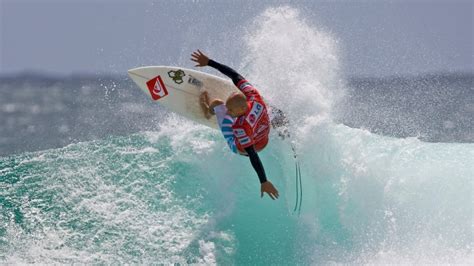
point(253, 127)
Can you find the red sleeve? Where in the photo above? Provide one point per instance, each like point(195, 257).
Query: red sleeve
point(243, 135)
point(248, 90)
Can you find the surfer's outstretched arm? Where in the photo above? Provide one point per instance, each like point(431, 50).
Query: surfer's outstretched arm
point(257, 164)
point(203, 60)
point(266, 186)
point(232, 74)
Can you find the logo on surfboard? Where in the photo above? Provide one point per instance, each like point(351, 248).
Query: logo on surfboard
point(157, 88)
point(177, 75)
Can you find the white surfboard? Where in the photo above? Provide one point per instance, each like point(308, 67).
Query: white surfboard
point(178, 89)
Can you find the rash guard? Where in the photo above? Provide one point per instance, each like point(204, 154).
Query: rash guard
point(250, 150)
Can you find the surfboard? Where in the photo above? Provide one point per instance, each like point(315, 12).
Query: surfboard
point(178, 89)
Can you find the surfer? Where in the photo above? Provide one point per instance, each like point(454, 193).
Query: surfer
point(242, 118)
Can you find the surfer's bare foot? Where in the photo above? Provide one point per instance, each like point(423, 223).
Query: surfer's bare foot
point(204, 102)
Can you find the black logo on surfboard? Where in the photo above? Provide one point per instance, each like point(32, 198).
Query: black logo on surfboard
point(177, 75)
point(194, 81)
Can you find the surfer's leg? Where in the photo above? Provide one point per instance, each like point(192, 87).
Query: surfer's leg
point(225, 122)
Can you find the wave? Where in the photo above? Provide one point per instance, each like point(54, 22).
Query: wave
point(177, 195)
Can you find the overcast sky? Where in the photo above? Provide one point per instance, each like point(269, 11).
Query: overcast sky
point(377, 38)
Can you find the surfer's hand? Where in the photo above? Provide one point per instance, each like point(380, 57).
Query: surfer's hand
point(204, 102)
point(200, 58)
point(269, 189)
point(213, 104)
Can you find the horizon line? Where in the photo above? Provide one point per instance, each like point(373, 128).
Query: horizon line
point(77, 74)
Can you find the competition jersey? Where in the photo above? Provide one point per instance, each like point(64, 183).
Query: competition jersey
point(253, 127)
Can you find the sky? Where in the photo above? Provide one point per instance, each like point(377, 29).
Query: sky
point(377, 38)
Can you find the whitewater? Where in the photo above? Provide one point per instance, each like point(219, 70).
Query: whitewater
point(177, 195)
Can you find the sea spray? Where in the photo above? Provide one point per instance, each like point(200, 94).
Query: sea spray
point(295, 64)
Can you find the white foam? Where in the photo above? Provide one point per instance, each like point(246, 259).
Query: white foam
point(294, 64)
point(185, 136)
point(118, 213)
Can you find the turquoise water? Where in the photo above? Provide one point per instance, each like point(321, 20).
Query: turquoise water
point(177, 195)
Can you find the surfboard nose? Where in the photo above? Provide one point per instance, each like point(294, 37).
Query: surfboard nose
point(133, 71)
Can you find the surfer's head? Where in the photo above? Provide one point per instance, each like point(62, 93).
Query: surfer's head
point(236, 104)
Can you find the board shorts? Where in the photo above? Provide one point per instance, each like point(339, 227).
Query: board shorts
point(225, 123)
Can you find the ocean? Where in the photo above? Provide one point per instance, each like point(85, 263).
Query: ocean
point(91, 171)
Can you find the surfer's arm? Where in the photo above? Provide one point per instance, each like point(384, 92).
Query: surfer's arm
point(232, 74)
point(266, 186)
point(240, 82)
point(203, 60)
point(257, 164)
